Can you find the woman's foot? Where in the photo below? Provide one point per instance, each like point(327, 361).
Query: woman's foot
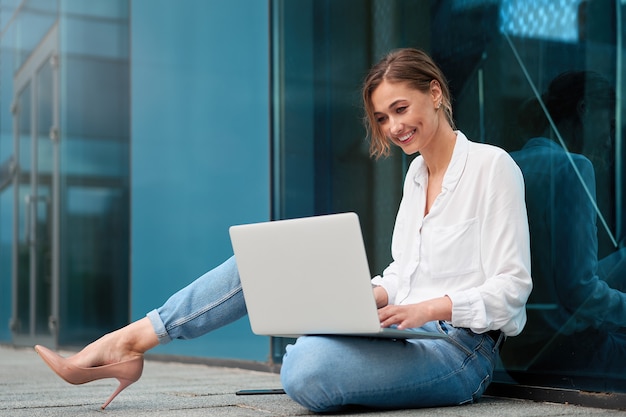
point(116, 355)
point(127, 343)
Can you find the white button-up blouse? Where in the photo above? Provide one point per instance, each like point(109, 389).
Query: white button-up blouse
point(473, 245)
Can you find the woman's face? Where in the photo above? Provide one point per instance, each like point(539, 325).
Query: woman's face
point(406, 116)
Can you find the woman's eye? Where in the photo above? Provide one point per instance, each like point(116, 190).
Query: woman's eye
point(381, 119)
point(401, 109)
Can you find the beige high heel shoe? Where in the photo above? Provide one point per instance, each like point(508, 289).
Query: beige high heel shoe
point(125, 372)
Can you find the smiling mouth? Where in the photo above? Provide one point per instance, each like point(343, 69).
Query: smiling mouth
point(407, 136)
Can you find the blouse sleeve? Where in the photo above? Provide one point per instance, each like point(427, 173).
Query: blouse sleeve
point(390, 283)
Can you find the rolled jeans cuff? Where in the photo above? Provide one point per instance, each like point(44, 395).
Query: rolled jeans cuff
point(159, 327)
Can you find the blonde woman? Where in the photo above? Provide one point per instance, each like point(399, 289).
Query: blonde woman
point(461, 267)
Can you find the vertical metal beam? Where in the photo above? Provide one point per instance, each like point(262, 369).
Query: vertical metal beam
point(619, 145)
point(55, 137)
point(32, 204)
point(15, 324)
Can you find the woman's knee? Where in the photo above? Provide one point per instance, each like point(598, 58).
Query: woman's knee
point(306, 377)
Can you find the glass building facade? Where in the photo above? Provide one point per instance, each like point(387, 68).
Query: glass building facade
point(64, 196)
point(134, 132)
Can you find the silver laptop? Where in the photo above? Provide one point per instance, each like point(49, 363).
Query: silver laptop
point(309, 276)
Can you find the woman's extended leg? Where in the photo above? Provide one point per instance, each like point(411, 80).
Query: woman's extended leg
point(211, 301)
point(328, 373)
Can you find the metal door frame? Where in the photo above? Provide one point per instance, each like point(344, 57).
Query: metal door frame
point(45, 52)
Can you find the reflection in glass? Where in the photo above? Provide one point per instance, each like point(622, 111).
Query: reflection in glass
point(65, 71)
point(495, 54)
point(577, 306)
point(22, 320)
point(42, 198)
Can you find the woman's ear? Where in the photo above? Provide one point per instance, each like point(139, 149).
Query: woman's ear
point(436, 93)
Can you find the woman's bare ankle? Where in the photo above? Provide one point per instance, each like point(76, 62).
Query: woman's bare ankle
point(120, 345)
point(140, 336)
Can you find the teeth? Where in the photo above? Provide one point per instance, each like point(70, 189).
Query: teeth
point(405, 137)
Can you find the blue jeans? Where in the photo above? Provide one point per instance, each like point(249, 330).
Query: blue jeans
point(328, 373)
point(208, 303)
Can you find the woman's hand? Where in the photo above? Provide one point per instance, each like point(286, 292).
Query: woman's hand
point(380, 295)
point(415, 315)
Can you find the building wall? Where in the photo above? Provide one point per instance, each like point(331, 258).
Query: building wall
point(200, 150)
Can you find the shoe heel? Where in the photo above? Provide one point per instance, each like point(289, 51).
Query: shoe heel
point(124, 383)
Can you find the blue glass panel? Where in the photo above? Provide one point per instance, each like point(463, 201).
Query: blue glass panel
point(498, 56)
point(200, 152)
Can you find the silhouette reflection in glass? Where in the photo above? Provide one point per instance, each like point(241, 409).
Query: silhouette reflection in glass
point(577, 310)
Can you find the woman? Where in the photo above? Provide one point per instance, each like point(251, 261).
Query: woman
point(461, 267)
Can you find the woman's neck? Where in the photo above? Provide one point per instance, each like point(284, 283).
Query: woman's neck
point(438, 156)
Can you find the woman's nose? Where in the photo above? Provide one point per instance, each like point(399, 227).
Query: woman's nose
point(396, 127)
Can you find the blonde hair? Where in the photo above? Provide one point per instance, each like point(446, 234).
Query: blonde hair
point(408, 65)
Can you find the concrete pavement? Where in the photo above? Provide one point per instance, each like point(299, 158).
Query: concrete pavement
point(175, 389)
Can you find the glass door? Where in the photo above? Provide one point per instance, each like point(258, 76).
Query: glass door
point(35, 190)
